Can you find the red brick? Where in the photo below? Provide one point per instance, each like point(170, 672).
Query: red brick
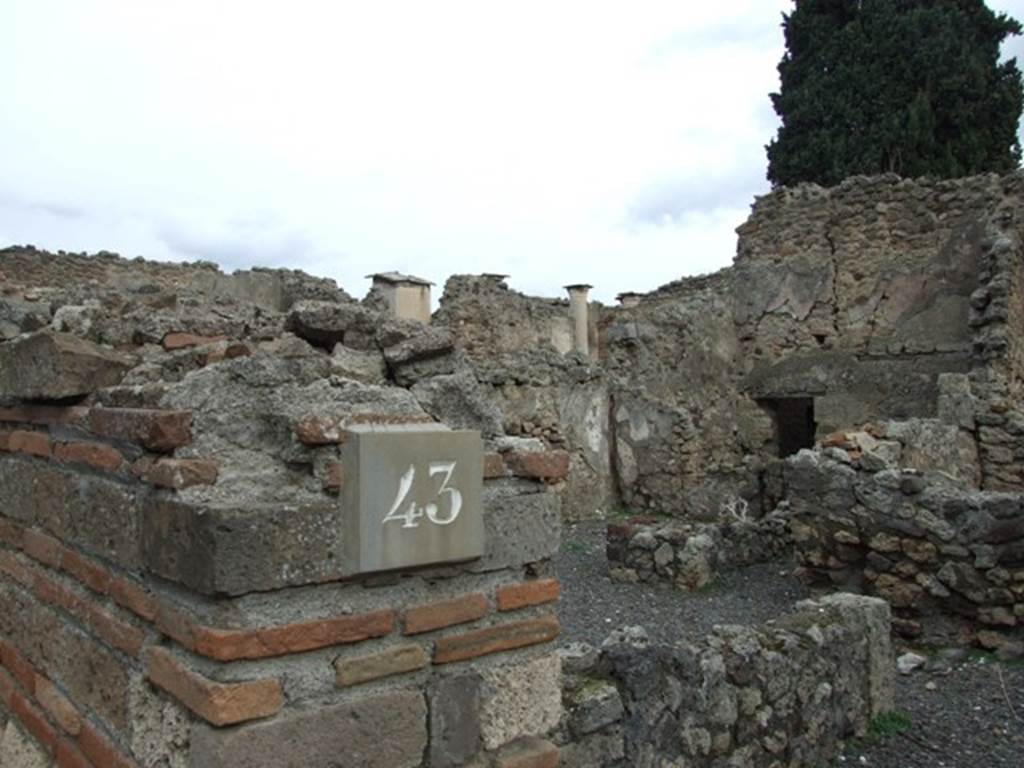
point(494, 466)
point(35, 722)
point(42, 547)
point(69, 756)
point(173, 341)
point(176, 625)
point(53, 592)
point(231, 644)
point(91, 574)
point(130, 595)
point(503, 637)
point(537, 592)
point(159, 431)
point(527, 752)
point(217, 703)
point(545, 465)
point(95, 455)
point(43, 415)
point(5, 440)
point(10, 565)
point(180, 473)
point(58, 706)
point(7, 688)
point(32, 443)
point(445, 613)
point(120, 634)
point(20, 667)
point(100, 751)
point(321, 430)
point(11, 532)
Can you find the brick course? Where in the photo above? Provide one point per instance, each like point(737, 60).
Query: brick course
point(217, 703)
point(444, 613)
point(528, 593)
point(503, 637)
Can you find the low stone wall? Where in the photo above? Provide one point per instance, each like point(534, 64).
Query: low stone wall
point(690, 554)
point(948, 558)
point(782, 694)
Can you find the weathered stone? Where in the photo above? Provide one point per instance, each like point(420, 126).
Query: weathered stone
point(18, 316)
point(520, 529)
point(18, 750)
point(595, 705)
point(238, 550)
point(322, 735)
point(521, 699)
point(458, 401)
point(55, 366)
point(325, 324)
point(454, 720)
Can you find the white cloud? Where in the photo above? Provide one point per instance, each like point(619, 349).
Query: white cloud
point(618, 144)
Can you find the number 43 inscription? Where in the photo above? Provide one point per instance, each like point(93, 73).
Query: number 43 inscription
point(409, 516)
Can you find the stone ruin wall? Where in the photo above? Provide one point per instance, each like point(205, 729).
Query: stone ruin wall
point(171, 583)
point(520, 351)
point(172, 589)
point(194, 594)
point(948, 559)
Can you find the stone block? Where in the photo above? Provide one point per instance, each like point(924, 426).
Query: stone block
point(233, 551)
point(326, 323)
point(528, 752)
point(384, 731)
point(454, 720)
point(99, 515)
point(595, 705)
point(56, 366)
point(521, 528)
point(19, 750)
point(520, 699)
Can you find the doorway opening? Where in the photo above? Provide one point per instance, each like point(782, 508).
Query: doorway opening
point(794, 423)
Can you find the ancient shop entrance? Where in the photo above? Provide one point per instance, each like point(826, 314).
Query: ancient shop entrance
point(794, 423)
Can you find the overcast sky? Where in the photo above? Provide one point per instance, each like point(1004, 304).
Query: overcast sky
point(616, 143)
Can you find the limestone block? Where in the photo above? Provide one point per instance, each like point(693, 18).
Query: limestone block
point(53, 366)
point(521, 699)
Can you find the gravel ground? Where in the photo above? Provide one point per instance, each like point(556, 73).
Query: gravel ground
point(963, 714)
point(592, 606)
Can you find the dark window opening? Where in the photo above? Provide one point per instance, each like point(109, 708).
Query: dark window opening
point(794, 423)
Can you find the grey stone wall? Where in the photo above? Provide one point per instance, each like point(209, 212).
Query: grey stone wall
point(782, 694)
point(947, 557)
point(689, 555)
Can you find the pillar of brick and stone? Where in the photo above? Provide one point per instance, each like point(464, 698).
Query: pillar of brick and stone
point(257, 564)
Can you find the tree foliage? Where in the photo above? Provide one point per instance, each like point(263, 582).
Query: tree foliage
point(913, 87)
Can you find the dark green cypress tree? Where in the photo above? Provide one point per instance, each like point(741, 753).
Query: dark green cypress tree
point(913, 87)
